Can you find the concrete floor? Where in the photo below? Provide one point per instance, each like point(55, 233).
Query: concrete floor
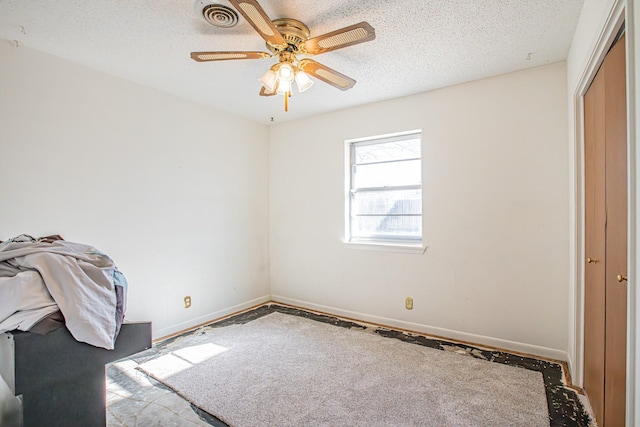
point(136, 400)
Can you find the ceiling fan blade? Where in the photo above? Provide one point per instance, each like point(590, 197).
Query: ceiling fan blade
point(259, 20)
point(265, 92)
point(348, 36)
point(327, 74)
point(224, 56)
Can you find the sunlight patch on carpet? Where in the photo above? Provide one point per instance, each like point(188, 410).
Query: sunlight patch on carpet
point(179, 360)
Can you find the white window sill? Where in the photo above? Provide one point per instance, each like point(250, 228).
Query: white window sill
point(386, 247)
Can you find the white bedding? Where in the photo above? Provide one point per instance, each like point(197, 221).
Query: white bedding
point(38, 277)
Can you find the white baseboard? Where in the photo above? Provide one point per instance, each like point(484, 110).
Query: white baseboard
point(575, 379)
point(207, 318)
point(480, 340)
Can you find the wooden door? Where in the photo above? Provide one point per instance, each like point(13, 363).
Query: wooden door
point(606, 240)
point(616, 248)
point(595, 245)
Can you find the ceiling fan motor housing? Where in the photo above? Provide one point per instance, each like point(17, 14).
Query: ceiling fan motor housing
point(294, 33)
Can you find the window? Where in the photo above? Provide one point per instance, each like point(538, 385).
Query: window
point(384, 189)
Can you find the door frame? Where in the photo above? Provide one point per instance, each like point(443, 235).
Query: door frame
point(621, 12)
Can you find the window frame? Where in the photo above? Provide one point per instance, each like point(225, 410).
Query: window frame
point(390, 244)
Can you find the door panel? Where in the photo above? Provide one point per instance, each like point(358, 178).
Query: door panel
point(595, 223)
point(616, 236)
point(606, 240)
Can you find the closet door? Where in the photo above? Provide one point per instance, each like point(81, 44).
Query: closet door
point(616, 249)
point(606, 240)
point(595, 245)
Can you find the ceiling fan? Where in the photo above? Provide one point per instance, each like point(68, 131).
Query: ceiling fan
point(287, 39)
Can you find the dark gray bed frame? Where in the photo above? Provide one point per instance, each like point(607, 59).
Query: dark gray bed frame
point(61, 380)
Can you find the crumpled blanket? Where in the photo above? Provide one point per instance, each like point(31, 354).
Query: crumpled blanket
point(41, 276)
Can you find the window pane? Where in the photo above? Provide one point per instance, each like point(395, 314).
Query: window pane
point(387, 202)
point(396, 150)
point(387, 174)
point(387, 227)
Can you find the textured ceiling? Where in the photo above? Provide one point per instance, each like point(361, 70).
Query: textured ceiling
point(420, 45)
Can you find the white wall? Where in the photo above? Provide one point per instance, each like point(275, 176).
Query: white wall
point(496, 214)
point(176, 193)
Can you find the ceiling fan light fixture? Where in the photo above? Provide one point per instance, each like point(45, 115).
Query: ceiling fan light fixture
point(269, 80)
point(303, 81)
point(285, 38)
point(286, 72)
point(284, 87)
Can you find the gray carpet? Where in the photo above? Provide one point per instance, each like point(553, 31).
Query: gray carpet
point(284, 370)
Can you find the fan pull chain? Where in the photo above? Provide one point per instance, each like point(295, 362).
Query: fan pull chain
point(286, 101)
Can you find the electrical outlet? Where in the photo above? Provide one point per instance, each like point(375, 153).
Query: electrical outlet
point(408, 303)
point(187, 301)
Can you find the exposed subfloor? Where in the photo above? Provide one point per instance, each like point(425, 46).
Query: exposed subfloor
point(136, 400)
